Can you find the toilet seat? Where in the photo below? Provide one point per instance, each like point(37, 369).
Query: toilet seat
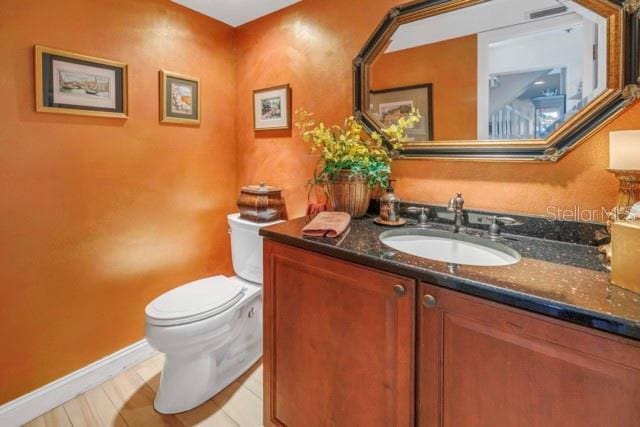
point(194, 301)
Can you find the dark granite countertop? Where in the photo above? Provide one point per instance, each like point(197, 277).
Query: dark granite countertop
point(562, 280)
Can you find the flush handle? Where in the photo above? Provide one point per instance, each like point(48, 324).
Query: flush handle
point(429, 301)
point(399, 290)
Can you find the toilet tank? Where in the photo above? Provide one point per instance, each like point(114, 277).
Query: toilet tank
point(246, 247)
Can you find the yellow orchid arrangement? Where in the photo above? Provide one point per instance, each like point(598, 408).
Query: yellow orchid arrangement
point(351, 148)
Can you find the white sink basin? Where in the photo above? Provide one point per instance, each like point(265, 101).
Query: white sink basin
point(453, 248)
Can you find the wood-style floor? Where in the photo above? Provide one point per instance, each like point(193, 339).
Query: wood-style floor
point(127, 400)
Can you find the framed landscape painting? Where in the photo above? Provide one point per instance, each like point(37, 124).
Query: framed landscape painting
point(179, 98)
point(272, 108)
point(388, 105)
point(71, 83)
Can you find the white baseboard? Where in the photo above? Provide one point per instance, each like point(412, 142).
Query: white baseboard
point(36, 403)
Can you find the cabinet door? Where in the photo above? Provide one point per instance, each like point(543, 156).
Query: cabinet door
point(339, 342)
point(485, 364)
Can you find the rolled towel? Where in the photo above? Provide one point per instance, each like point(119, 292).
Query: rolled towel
point(327, 224)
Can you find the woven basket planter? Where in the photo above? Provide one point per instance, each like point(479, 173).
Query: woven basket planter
point(349, 193)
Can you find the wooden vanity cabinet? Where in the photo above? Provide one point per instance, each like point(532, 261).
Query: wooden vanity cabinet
point(339, 342)
point(486, 364)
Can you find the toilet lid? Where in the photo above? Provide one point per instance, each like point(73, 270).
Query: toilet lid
point(194, 301)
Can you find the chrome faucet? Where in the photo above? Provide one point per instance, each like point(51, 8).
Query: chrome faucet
point(456, 205)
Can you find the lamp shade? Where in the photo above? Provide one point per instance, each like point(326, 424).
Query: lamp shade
point(624, 150)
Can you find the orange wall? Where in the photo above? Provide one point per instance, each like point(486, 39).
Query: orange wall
point(451, 67)
point(101, 215)
point(311, 45)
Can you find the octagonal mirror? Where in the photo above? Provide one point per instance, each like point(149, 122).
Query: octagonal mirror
point(499, 79)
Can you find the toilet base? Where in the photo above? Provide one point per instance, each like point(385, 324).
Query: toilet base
point(204, 357)
point(187, 384)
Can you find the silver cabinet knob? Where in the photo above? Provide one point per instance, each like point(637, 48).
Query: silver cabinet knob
point(399, 290)
point(429, 301)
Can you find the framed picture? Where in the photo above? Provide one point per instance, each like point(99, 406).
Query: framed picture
point(272, 108)
point(179, 98)
point(389, 105)
point(70, 83)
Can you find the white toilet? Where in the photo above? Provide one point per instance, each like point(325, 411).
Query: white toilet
point(210, 330)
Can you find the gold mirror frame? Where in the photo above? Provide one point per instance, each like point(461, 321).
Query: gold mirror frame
point(623, 71)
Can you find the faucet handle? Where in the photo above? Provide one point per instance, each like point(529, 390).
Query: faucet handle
point(505, 220)
point(423, 218)
point(497, 221)
point(456, 202)
point(502, 220)
point(416, 209)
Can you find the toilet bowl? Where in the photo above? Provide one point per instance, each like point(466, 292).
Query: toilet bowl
point(210, 330)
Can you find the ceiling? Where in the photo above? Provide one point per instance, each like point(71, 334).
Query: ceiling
point(236, 12)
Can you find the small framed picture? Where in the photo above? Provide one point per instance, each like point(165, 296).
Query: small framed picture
point(71, 83)
point(272, 108)
point(179, 98)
